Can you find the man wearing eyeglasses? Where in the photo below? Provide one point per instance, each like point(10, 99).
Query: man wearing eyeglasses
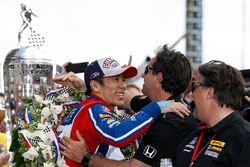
point(166, 77)
point(217, 91)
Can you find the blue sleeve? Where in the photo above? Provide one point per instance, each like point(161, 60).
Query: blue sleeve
point(110, 130)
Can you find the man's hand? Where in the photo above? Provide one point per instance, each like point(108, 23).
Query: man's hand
point(70, 79)
point(74, 150)
point(176, 107)
point(129, 62)
point(65, 66)
point(247, 98)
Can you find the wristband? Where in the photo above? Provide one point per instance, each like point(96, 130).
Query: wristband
point(86, 159)
point(163, 104)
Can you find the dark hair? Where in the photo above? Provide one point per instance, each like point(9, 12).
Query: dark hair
point(175, 68)
point(227, 82)
point(88, 88)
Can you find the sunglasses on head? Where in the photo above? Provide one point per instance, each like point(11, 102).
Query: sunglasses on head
point(196, 85)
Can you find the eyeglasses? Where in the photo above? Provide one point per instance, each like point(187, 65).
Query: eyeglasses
point(196, 85)
point(147, 69)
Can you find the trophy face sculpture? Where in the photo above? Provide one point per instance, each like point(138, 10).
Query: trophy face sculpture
point(26, 71)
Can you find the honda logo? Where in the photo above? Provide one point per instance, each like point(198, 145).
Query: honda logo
point(149, 151)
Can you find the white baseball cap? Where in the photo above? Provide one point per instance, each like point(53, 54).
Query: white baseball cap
point(107, 67)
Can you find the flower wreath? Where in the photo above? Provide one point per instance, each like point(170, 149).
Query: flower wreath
point(34, 141)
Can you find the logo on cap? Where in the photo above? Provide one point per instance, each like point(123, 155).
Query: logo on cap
point(107, 63)
point(95, 75)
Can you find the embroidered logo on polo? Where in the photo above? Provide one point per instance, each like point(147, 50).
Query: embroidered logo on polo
point(190, 146)
point(211, 153)
point(110, 120)
point(149, 151)
point(193, 142)
point(132, 118)
point(214, 148)
point(104, 108)
point(104, 115)
point(113, 123)
point(217, 143)
point(107, 117)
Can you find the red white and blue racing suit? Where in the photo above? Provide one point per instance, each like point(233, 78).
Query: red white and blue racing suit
point(101, 128)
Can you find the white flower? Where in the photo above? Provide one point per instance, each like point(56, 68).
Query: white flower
point(48, 165)
point(39, 140)
point(46, 112)
point(44, 115)
point(56, 109)
point(61, 163)
point(42, 145)
point(31, 154)
point(63, 97)
point(39, 99)
point(48, 140)
point(40, 126)
point(47, 153)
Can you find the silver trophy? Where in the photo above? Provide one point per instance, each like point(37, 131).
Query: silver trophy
point(26, 71)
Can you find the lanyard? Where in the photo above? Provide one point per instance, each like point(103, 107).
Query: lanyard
point(196, 154)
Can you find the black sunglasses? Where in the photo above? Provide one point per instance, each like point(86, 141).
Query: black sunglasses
point(196, 85)
point(147, 69)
